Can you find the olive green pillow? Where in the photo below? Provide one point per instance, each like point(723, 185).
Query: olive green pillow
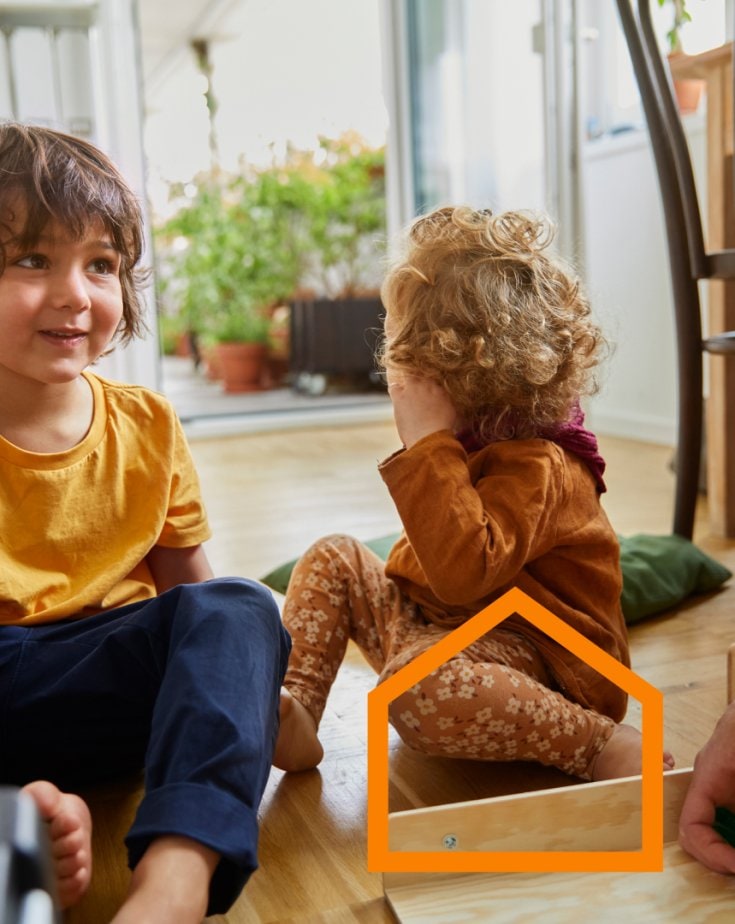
point(278, 578)
point(658, 572)
point(661, 571)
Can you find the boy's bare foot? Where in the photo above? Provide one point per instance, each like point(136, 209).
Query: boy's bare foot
point(297, 746)
point(621, 755)
point(70, 832)
point(170, 884)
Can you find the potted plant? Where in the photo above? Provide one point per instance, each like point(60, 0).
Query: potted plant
point(238, 333)
point(241, 247)
point(688, 92)
point(335, 332)
point(173, 335)
point(182, 269)
point(226, 260)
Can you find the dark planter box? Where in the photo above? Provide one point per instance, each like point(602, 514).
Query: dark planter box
point(335, 338)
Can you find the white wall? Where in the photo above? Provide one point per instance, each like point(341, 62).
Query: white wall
point(628, 281)
point(628, 285)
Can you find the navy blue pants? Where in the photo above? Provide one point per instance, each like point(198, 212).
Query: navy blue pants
point(185, 686)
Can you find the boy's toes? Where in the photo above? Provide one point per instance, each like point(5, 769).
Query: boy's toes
point(46, 796)
point(70, 833)
point(71, 888)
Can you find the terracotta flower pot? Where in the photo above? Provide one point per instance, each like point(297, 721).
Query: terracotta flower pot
point(688, 91)
point(241, 366)
point(688, 94)
point(211, 363)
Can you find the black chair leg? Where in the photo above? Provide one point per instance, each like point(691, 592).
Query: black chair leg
point(688, 456)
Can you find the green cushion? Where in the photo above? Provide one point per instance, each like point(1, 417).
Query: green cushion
point(278, 578)
point(658, 572)
point(661, 571)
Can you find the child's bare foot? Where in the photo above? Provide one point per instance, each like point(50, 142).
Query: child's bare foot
point(70, 831)
point(170, 884)
point(297, 747)
point(621, 755)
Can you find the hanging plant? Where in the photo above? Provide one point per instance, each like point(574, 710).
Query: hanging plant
point(681, 17)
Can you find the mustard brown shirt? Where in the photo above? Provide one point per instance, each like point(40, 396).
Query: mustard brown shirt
point(516, 513)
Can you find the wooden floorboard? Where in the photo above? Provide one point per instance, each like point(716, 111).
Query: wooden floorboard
point(269, 496)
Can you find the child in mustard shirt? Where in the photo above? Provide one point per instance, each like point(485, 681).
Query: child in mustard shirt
point(118, 648)
point(489, 345)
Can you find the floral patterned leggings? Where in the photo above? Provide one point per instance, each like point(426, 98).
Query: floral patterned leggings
point(491, 701)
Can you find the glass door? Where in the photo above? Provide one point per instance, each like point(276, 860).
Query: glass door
point(484, 107)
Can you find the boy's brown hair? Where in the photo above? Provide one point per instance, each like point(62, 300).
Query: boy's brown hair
point(48, 175)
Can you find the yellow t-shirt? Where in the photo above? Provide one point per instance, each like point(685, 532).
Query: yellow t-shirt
point(76, 526)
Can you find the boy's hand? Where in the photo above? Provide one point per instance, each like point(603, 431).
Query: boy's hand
point(713, 785)
point(420, 407)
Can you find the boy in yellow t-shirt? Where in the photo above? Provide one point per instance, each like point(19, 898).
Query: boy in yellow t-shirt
point(118, 648)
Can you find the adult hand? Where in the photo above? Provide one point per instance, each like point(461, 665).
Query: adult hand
point(712, 786)
point(420, 407)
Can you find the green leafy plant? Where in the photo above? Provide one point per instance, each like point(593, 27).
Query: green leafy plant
point(347, 218)
point(222, 260)
point(681, 17)
point(242, 244)
point(171, 328)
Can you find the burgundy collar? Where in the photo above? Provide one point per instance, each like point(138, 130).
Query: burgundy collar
point(570, 435)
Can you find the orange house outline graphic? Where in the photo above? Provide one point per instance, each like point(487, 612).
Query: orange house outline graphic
point(649, 858)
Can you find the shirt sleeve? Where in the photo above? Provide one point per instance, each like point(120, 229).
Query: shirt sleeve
point(473, 531)
point(186, 522)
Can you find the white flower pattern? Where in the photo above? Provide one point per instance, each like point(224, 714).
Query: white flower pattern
point(492, 701)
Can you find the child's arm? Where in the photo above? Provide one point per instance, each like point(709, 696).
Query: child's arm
point(476, 534)
point(171, 567)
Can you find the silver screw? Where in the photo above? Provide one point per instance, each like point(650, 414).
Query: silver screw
point(450, 841)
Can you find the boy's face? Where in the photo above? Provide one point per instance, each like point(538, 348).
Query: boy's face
point(60, 305)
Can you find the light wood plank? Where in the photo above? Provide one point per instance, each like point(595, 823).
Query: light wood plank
point(684, 891)
point(589, 816)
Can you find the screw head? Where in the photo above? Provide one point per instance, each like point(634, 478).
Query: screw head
point(450, 841)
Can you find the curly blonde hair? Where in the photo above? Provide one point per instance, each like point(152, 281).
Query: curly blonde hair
point(478, 305)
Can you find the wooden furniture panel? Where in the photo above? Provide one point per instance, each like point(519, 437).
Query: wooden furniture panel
point(603, 816)
point(684, 891)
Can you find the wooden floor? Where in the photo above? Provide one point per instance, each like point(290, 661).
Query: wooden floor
point(269, 496)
